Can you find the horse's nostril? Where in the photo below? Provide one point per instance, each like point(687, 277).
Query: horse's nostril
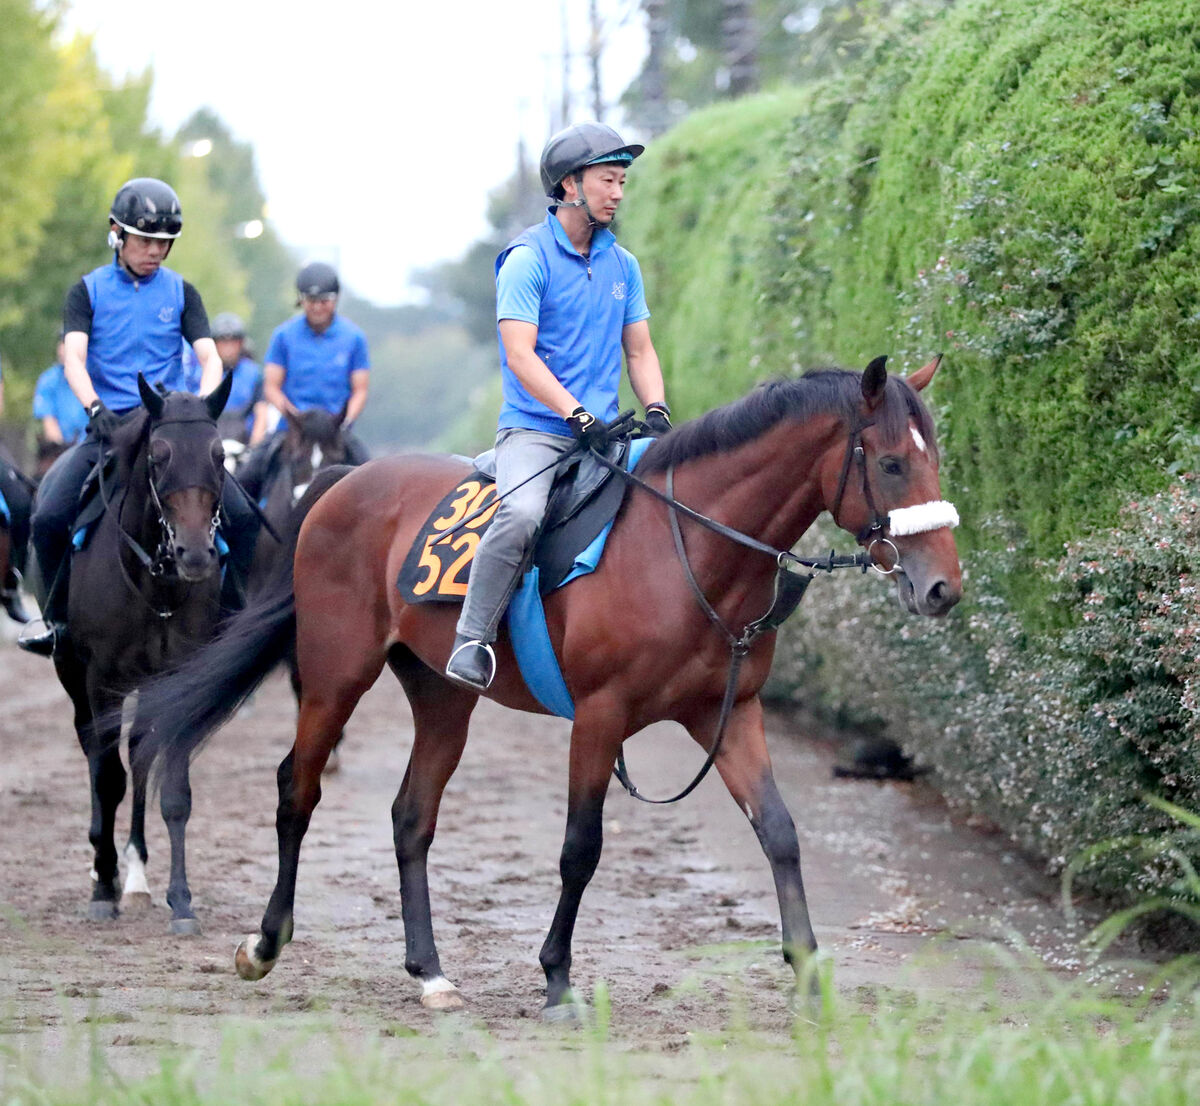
point(941, 596)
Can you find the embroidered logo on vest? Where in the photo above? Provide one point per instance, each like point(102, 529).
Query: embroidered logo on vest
point(166, 314)
point(618, 289)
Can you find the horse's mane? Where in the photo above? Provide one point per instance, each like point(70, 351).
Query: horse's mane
point(819, 392)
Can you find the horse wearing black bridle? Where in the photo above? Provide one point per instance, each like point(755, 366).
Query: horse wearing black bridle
point(145, 592)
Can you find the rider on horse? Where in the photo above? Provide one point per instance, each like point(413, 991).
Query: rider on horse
point(120, 320)
point(62, 415)
point(246, 401)
point(316, 359)
point(568, 301)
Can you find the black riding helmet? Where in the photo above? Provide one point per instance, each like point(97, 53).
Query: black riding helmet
point(147, 207)
point(583, 144)
point(317, 279)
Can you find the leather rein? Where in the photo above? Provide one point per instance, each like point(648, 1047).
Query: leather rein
point(790, 585)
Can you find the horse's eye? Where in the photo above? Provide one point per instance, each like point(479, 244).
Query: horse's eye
point(160, 451)
point(218, 453)
point(892, 466)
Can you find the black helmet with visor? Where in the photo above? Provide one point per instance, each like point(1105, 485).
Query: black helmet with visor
point(317, 280)
point(147, 207)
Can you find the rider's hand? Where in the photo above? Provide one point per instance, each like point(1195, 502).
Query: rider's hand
point(658, 419)
point(589, 431)
point(101, 421)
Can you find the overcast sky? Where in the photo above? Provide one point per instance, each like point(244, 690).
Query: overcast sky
point(378, 128)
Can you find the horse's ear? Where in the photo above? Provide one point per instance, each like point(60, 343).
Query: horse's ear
point(874, 381)
point(216, 399)
point(918, 380)
point(151, 400)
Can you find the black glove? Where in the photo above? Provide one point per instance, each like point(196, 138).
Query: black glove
point(101, 421)
point(589, 431)
point(658, 419)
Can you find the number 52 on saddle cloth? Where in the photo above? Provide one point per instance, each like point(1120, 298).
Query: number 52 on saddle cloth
point(583, 503)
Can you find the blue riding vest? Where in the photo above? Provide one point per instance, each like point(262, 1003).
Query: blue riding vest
point(136, 327)
point(580, 321)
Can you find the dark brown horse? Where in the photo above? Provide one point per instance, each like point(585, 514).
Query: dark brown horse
point(16, 495)
point(633, 642)
point(144, 593)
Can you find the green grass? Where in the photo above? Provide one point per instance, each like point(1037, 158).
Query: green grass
point(1042, 1041)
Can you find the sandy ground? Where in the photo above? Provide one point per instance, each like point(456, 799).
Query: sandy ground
point(680, 920)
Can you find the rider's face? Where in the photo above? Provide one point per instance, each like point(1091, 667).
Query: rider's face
point(230, 351)
point(603, 188)
point(318, 310)
point(143, 256)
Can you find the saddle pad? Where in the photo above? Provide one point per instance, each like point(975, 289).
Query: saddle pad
point(441, 570)
point(438, 566)
point(5, 513)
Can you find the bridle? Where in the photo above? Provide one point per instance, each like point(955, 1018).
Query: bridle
point(162, 562)
point(790, 585)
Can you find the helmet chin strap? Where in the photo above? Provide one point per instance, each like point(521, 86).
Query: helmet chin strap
point(593, 222)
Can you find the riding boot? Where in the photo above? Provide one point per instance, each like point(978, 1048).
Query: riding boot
point(10, 596)
point(472, 663)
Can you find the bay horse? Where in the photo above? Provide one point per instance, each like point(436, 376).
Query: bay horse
point(144, 592)
point(633, 642)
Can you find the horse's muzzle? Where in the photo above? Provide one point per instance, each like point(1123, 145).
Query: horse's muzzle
point(196, 562)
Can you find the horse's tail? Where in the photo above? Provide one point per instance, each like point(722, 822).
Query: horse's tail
point(182, 708)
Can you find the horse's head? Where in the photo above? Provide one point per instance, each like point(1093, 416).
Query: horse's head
point(313, 441)
point(884, 488)
point(186, 472)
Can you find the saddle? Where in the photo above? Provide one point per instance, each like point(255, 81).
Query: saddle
point(583, 501)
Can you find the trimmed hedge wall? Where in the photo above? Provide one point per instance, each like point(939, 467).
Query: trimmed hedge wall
point(1016, 185)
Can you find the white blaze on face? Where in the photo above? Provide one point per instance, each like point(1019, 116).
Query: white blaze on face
point(917, 438)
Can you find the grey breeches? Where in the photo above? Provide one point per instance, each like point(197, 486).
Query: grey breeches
point(519, 454)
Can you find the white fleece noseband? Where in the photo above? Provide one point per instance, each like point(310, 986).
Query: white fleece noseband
point(921, 518)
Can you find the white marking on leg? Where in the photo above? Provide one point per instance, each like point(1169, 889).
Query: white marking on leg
point(917, 438)
point(135, 873)
point(749, 812)
point(436, 986)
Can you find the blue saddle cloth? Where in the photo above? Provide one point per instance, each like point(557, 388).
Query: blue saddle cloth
point(527, 618)
point(5, 512)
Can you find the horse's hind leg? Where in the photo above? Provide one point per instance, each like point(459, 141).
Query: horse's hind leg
point(441, 712)
point(175, 802)
point(333, 764)
point(593, 751)
point(329, 699)
point(136, 892)
point(745, 766)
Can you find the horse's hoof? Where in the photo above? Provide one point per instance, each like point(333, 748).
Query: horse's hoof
point(566, 1013)
point(249, 967)
point(135, 902)
point(443, 1000)
point(185, 927)
point(102, 910)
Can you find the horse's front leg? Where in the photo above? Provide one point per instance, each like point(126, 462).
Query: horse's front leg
point(593, 751)
point(175, 802)
point(745, 766)
point(98, 726)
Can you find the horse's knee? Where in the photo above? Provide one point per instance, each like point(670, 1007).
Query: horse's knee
point(411, 833)
point(777, 833)
point(581, 850)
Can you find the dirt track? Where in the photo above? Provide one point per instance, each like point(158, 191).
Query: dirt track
point(683, 893)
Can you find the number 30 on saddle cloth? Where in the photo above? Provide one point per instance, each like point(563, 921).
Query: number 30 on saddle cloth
point(579, 516)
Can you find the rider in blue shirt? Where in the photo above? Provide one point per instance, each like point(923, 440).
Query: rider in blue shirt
point(569, 304)
point(122, 319)
point(63, 417)
point(246, 403)
point(317, 359)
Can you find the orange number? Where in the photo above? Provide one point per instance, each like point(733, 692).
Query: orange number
point(470, 489)
point(450, 584)
point(479, 501)
point(429, 560)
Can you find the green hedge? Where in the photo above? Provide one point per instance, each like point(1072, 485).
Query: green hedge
point(1015, 185)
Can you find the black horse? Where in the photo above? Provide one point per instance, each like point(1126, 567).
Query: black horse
point(16, 495)
point(145, 592)
point(312, 441)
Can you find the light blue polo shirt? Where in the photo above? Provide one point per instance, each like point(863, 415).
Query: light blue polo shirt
point(318, 366)
point(53, 398)
point(580, 306)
